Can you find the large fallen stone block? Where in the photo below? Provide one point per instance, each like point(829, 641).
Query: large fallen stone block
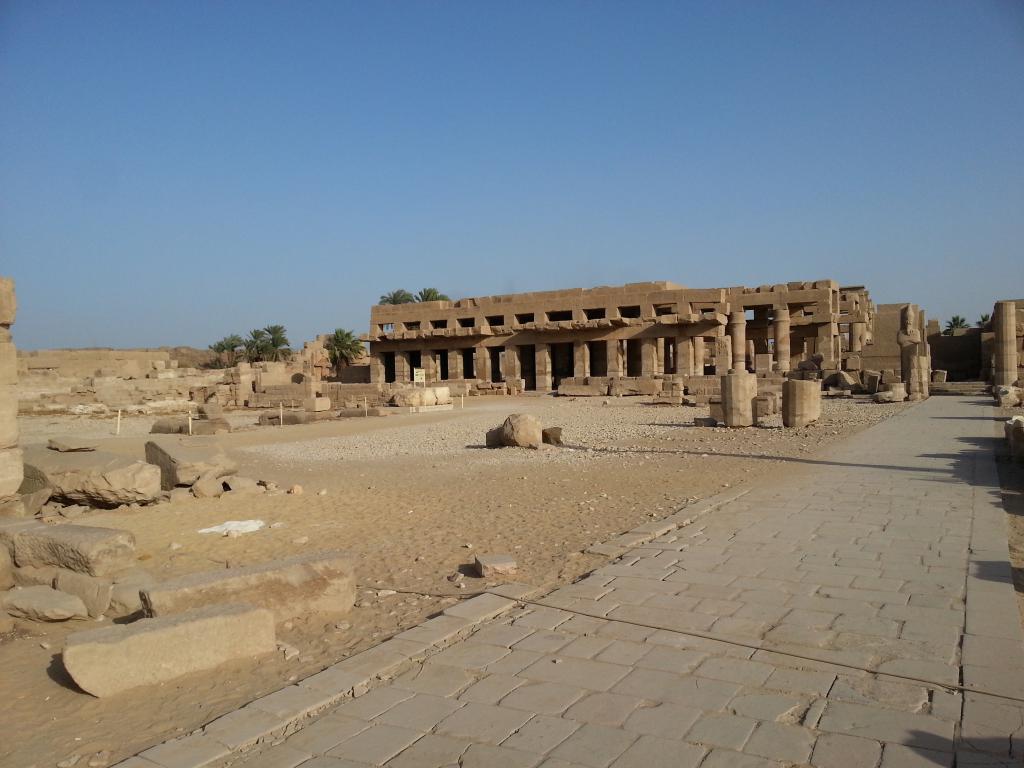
point(621, 387)
point(184, 464)
point(81, 548)
point(151, 651)
point(179, 425)
point(520, 430)
point(582, 390)
point(43, 604)
point(316, 582)
point(70, 444)
point(94, 478)
point(93, 591)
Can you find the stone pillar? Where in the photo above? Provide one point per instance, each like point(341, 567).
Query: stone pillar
point(511, 367)
point(543, 367)
point(455, 364)
point(824, 345)
point(738, 393)
point(858, 332)
point(648, 357)
point(1004, 323)
point(613, 351)
point(780, 328)
point(738, 334)
point(698, 355)
point(684, 355)
point(482, 363)
point(429, 365)
point(723, 355)
point(801, 402)
point(581, 359)
point(402, 374)
point(11, 469)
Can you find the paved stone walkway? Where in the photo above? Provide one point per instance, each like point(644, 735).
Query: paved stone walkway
point(887, 554)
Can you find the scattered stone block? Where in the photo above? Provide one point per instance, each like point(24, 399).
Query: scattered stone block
point(495, 565)
point(11, 471)
point(317, 404)
point(178, 425)
point(43, 603)
point(6, 569)
point(94, 592)
point(107, 661)
point(85, 549)
point(705, 421)
point(70, 444)
point(32, 576)
point(239, 484)
point(93, 478)
point(738, 393)
point(316, 582)
point(184, 464)
point(552, 435)
point(801, 402)
point(885, 396)
point(124, 596)
point(209, 486)
point(519, 430)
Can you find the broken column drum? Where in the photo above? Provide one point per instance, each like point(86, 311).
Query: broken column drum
point(738, 334)
point(738, 393)
point(801, 402)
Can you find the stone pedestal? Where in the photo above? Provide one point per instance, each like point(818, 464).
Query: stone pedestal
point(738, 334)
point(780, 329)
point(1004, 323)
point(738, 393)
point(801, 402)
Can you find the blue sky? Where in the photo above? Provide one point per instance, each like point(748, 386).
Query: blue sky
point(176, 171)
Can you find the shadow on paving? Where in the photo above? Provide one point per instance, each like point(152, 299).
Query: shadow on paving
point(980, 753)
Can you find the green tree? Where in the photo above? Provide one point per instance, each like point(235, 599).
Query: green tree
point(431, 294)
point(342, 348)
point(255, 346)
point(983, 320)
point(276, 343)
point(227, 350)
point(955, 323)
point(401, 296)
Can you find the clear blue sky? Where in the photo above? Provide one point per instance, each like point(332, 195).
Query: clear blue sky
point(175, 171)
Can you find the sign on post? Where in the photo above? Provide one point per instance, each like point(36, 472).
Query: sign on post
point(419, 376)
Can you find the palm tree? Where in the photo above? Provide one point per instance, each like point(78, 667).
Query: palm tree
point(342, 348)
point(983, 320)
point(255, 345)
point(955, 323)
point(227, 350)
point(277, 342)
point(218, 349)
point(401, 296)
point(431, 294)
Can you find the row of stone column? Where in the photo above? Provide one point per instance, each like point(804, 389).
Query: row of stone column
point(11, 469)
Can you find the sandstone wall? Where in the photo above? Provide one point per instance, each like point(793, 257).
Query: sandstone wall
point(11, 470)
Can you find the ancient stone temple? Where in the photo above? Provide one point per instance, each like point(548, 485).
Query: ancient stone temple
point(11, 470)
point(641, 333)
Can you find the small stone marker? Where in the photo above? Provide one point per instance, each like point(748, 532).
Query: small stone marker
point(113, 659)
point(495, 565)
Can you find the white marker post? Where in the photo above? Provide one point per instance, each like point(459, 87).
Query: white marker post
point(118, 432)
point(190, 422)
point(280, 414)
point(366, 411)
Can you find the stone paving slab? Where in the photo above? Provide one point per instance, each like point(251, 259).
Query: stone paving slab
point(753, 638)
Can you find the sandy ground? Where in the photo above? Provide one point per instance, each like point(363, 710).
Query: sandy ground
point(413, 498)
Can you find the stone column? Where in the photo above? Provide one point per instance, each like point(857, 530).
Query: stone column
point(613, 351)
point(581, 359)
point(11, 469)
point(402, 375)
point(723, 355)
point(543, 367)
point(738, 393)
point(1004, 323)
point(780, 328)
point(738, 334)
point(455, 364)
point(429, 366)
point(858, 331)
point(698, 355)
point(801, 402)
point(482, 363)
point(648, 357)
point(825, 346)
point(511, 367)
point(684, 355)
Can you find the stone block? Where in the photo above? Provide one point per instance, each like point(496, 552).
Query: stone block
point(552, 435)
point(738, 393)
point(239, 484)
point(94, 478)
point(94, 592)
point(70, 444)
point(11, 471)
point(801, 403)
point(518, 431)
point(152, 651)
point(317, 404)
point(495, 565)
point(124, 597)
point(81, 548)
point(294, 586)
point(8, 363)
point(8, 416)
point(582, 390)
point(42, 603)
point(209, 486)
point(184, 464)
point(6, 569)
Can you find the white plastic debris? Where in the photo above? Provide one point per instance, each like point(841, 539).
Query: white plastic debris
point(235, 526)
